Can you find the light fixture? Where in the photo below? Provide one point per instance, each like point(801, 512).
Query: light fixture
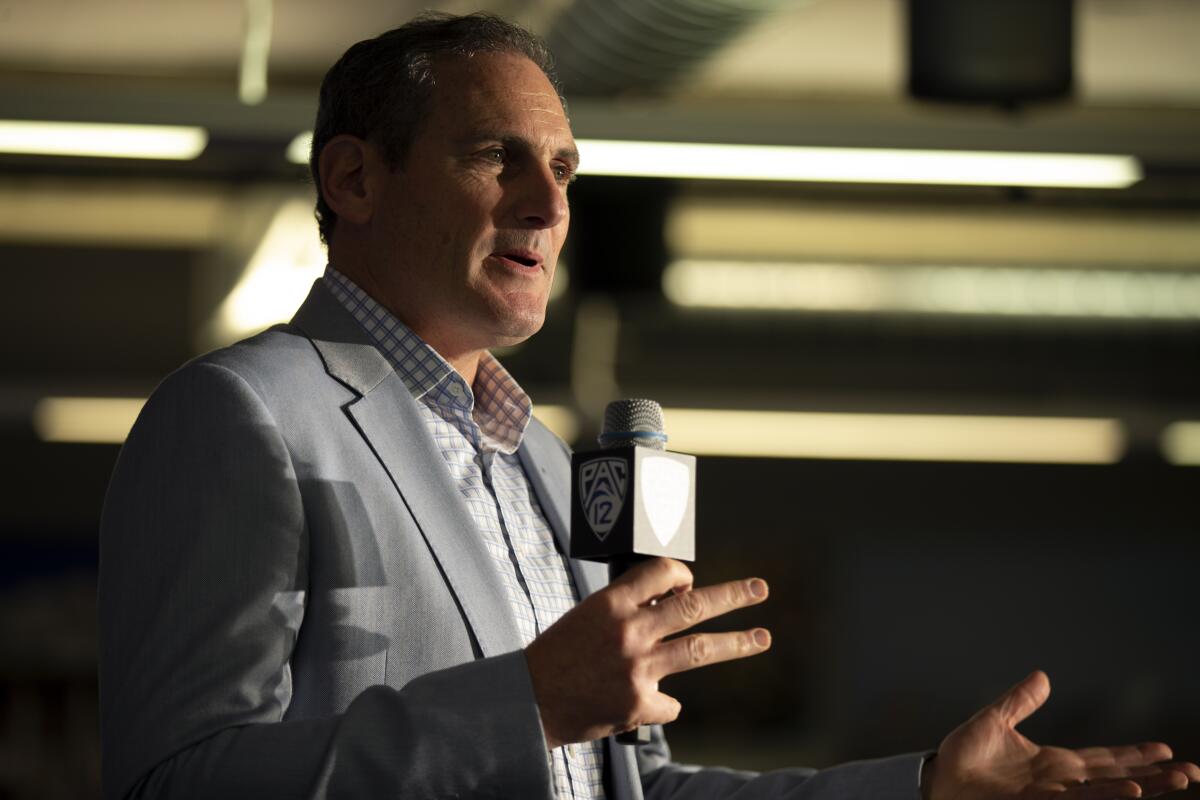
point(905, 437)
point(102, 140)
point(86, 420)
point(297, 149)
point(289, 257)
point(256, 50)
point(838, 164)
point(855, 165)
point(935, 289)
point(1180, 442)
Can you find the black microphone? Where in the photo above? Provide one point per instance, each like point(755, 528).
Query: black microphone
point(633, 499)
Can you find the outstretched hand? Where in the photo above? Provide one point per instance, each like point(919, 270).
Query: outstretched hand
point(985, 758)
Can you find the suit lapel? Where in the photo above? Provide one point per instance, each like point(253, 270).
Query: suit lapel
point(549, 472)
point(388, 418)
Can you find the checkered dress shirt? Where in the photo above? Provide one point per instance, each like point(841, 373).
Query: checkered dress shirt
point(478, 433)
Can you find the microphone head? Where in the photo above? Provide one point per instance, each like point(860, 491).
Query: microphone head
point(634, 421)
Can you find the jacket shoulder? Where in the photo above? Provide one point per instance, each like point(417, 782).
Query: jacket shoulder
point(276, 358)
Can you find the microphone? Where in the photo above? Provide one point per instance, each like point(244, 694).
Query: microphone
point(633, 499)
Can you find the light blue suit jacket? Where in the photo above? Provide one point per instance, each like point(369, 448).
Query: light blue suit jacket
point(293, 603)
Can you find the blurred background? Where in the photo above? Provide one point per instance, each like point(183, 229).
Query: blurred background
point(948, 405)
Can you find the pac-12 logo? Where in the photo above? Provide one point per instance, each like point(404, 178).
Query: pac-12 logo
point(602, 486)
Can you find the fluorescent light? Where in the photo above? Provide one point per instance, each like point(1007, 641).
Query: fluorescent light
point(776, 229)
point(561, 420)
point(89, 420)
point(278, 276)
point(297, 149)
point(855, 165)
point(837, 164)
point(764, 433)
point(940, 289)
point(256, 49)
point(1180, 443)
point(124, 212)
point(907, 437)
point(101, 140)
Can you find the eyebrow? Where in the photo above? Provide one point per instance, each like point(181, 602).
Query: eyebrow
point(568, 154)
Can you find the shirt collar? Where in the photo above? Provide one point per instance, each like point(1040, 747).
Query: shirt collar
point(497, 405)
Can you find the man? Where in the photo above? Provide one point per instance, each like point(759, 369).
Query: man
point(332, 555)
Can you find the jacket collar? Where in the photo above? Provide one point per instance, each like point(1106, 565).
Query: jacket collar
point(346, 349)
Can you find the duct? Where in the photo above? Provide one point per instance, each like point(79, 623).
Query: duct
point(608, 47)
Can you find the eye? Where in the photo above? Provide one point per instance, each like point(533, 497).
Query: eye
point(495, 155)
point(563, 173)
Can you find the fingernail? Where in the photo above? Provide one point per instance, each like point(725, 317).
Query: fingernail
point(758, 587)
point(762, 638)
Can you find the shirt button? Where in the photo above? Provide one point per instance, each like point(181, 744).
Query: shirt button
point(572, 750)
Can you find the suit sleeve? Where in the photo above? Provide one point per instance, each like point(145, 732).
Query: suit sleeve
point(203, 570)
point(895, 778)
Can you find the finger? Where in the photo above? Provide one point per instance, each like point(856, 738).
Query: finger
point(1189, 769)
point(1150, 782)
point(1127, 755)
point(701, 649)
point(1163, 782)
point(654, 578)
point(1104, 790)
point(1114, 772)
point(1023, 699)
point(686, 609)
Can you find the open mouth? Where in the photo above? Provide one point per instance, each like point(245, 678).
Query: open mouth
point(518, 258)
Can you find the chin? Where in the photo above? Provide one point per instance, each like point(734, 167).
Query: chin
point(515, 330)
point(515, 321)
point(511, 337)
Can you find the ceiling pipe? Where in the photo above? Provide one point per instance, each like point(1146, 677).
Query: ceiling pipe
point(609, 47)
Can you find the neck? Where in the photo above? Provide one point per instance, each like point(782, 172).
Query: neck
point(466, 365)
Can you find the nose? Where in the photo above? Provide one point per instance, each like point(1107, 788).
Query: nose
point(542, 200)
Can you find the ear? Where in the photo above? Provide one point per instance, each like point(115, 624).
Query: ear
point(345, 164)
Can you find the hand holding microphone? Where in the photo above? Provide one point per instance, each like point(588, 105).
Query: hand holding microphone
point(596, 671)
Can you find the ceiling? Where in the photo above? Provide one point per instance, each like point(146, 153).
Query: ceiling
point(1129, 52)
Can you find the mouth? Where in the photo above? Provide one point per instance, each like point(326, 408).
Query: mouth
point(522, 259)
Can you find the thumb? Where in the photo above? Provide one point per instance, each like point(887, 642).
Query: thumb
point(1023, 699)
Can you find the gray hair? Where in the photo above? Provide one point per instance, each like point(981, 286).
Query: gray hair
point(380, 89)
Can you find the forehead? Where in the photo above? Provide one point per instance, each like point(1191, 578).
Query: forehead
point(489, 88)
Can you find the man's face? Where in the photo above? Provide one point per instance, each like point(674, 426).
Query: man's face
point(469, 226)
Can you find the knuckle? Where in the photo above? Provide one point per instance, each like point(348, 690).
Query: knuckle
point(737, 594)
point(691, 607)
point(675, 570)
point(699, 649)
